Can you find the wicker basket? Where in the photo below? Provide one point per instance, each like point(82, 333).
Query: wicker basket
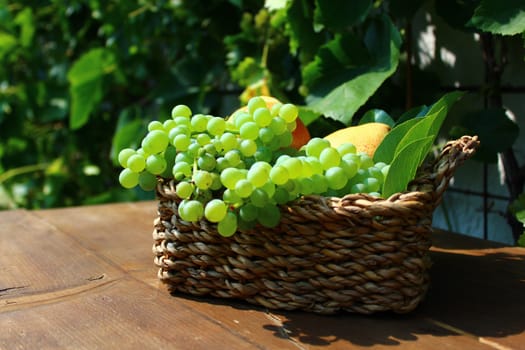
point(357, 253)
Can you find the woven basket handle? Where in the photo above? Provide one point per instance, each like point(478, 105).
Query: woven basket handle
point(436, 178)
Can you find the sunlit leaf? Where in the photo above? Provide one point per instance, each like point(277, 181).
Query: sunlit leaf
point(500, 17)
point(85, 78)
point(339, 95)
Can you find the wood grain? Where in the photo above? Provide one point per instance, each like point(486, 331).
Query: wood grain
point(83, 278)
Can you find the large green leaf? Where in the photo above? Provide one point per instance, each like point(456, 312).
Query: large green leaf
point(386, 150)
point(339, 94)
point(129, 131)
point(338, 15)
point(7, 42)
point(404, 166)
point(500, 17)
point(377, 116)
point(27, 27)
point(85, 78)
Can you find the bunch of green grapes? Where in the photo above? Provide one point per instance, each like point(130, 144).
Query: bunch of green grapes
point(237, 172)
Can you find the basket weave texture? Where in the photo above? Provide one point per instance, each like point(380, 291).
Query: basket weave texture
point(356, 253)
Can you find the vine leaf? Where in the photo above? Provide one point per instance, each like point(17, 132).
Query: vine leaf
point(499, 17)
point(85, 78)
point(338, 93)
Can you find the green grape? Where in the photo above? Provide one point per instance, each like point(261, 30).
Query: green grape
point(184, 189)
point(346, 148)
point(375, 194)
point(375, 172)
point(307, 169)
point(263, 154)
point(275, 109)
point(255, 103)
point(203, 139)
point(307, 185)
point(203, 196)
point(269, 216)
point(285, 139)
point(128, 179)
point(227, 226)
point(291, 126)
point(219, 147)
point(184, 157)
point(315, 146)
point(269, 188)
point(262, 116)
point(320, 184)
point(210, 148)
point(169, 124)
point(181, 110)
point(182, 121)
point(281, 195)
point(215, 182)
point(248, 212)
point(366, 161)
point(288, 112)
point(358, 188)
point(249, 131)
point(266, 135)
point(380, 165)
point(215, 210)
point(181, 170)
point(336, 178)
point(229, 141)
point(232, 198)
point(278, 125)
point(243, 225)
point(279, 175)
point(385, 170)
point(259, 173)
point(124, 155)
point(136, 163)
point(230, 177)
point(241, 118)
point(155, 164)
point(248, 148)
point(181, 142)
point(191, 210)
point(280, 159)
point(147, 181)
point(372, 184)
point(350, 167)
point(352, 157)
point(155, 141)
point(223, 163)
point(179, 130)
point(259, 197)
point(194, 149)
point(206, 162)
point(315, 164)
point(202, 179)
point(244, 188)
point(199, 122)
point(329, 158)
point(233, 157)
point(294, 167)
point(169, 154)
point(155, 125)
point(216, 126)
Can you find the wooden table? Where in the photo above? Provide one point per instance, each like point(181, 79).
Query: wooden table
point(84, 278)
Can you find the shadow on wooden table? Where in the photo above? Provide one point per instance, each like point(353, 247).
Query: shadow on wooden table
point(479, 296)
point(474, 295)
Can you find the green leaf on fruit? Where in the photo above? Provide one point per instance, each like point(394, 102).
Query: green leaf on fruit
point(404, 166)
point(386, 150)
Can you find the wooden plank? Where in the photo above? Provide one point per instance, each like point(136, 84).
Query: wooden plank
point(123, 315)
point(36, 259)
point(451, 317)
point(478, 288)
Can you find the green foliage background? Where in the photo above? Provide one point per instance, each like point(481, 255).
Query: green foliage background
point(80, 80)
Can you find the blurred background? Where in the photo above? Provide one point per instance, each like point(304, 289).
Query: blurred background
point(80, 80)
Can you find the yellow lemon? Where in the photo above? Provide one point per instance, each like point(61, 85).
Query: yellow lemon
point(365, 137)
